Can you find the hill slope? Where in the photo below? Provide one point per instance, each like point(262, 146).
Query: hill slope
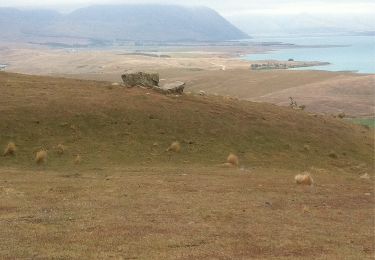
point(122, 22)
point(115, 126)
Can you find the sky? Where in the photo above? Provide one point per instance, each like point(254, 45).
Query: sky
point(225, 7)
point(255, 17)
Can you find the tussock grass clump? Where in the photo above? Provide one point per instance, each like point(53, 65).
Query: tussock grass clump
point(78, 159)
point(10, 149)
point(304, 179)
point(41, 157)
point(60, 149)
point(333, 155)
point(306, 148)
point(174, 147)
point(232, 160)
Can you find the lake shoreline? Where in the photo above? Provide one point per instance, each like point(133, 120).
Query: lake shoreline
point(343, 53)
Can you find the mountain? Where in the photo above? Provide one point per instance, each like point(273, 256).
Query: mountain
point(303, 24)
point(161, 23)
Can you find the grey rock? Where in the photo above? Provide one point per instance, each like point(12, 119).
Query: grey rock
point(144, 79)
point(171, 88)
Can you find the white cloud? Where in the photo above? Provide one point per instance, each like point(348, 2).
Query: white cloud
point(228, 8)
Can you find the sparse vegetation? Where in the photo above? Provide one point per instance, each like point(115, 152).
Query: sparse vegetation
point(366, 122)
point(341, 115)
point(10, 149)
point(233, 160)
point(304, 179)
point(60, 149)
point(44, 214)
point(174, 147)
point(41, 157)
point(78, 159)
point(333, 155)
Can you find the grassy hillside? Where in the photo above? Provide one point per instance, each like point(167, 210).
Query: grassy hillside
point(130, 199)
point(109, 125)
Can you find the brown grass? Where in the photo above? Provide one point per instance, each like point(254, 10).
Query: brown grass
point(60, 149)
point(41, 157)
point(78, 159)
point(10, 149)
point(333, 155)
point(304, 179)
point(204, 213)
point(233, 159)
point(174, 147)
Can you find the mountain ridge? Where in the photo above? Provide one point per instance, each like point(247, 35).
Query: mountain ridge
point(131, 22)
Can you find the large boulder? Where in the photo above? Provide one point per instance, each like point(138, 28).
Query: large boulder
point(144, 79)
point(173, 88)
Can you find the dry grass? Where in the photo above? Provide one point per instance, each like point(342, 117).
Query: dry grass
point(306, 148)
point(60, 149)
point(304, 179)
point(233, 160)
point(257, 130)
point(333, 155)
point(41, 157)
point(174, 147)
point(78, 159)
point(204, 213)
point(10, 149)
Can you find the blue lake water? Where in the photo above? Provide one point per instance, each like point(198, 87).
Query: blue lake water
point(355, 53)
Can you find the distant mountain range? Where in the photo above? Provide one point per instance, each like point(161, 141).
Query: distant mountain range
point(160, 23)
point(305, 24)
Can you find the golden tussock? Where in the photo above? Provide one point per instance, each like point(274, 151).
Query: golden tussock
point(60, 149)
point(174, 147)
point(304, 179)
point(10, 149)
point(41, 157)
point(78, 159)
point(232, 159)
point(228, 165)
point(305, 209)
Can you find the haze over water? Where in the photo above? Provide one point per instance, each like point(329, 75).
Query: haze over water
point(354, 53)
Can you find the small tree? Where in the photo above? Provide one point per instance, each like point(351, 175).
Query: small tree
point(293, 104)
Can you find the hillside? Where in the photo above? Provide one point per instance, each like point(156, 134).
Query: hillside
point(113, 125)
point(130, 199)
point(160, 23)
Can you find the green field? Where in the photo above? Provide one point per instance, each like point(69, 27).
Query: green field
point(370, 122)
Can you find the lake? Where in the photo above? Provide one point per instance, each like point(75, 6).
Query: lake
point(346, 53)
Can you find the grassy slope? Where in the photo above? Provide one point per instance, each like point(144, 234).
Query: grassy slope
point(115, 126)
point(183, 206)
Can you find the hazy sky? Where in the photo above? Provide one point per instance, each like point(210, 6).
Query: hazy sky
point(226, 7)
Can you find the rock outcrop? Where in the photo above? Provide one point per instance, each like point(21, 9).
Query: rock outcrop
point(143, 79)
point(172, 88)
point(151, 80)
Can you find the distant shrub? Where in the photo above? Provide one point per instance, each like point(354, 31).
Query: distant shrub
point(304, 179)
point(233, 159)
point(60, 149)
point(341, 115)
point(174, 147)
point(293, 104)
point(41, 157)
point(306, 147)
point(10, 149)
point(78, 159)
point(333, 155)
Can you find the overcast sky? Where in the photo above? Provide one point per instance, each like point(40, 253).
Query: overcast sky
point(225, 7)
